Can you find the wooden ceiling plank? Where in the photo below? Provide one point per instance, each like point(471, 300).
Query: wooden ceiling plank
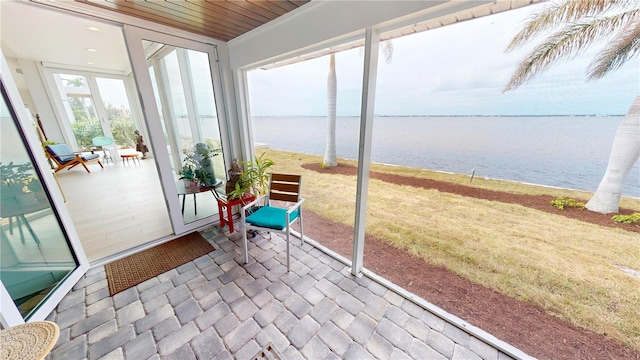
point(222, 8)
point(206, 11)
point(249, 9)
point(234, 8)
point(298, 3)
point(284, 5)
point(125, 7)
point(191, 17)
point(269, 6)
point(223, 20)
point(181, 23)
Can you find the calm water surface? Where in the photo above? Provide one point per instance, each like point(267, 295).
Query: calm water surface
point(563, 151)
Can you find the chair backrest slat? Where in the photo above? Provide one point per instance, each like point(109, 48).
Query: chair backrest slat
point(285, 178)
point(284, 197)
point(284, 187)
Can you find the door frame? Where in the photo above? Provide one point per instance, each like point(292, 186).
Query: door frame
point(133, 38)
point(10, 315)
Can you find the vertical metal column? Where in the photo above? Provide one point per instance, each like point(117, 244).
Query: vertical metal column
point(372, 40)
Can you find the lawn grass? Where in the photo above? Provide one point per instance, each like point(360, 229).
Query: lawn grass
point(565, 266)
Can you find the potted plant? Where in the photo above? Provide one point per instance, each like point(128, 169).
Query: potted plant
point(15, 179)
point(254, 179)
point(198, 165)
point(188, 176)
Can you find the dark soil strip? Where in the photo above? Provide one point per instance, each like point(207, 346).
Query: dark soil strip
point(525, 326)
point(518, 323)
point(538, 202)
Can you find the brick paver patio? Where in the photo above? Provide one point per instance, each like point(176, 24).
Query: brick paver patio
point(215, 307)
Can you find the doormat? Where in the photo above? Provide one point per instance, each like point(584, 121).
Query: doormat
point(137, 268)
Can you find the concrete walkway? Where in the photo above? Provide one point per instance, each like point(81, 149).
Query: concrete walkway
point(215, 307)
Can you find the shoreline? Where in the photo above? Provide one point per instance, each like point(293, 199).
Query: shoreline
point(538, 202)
point(265, 147)
point(570, 153)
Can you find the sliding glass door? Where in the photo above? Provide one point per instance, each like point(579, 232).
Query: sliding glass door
point(39, 263)
point(96, 105)
point(180, 88)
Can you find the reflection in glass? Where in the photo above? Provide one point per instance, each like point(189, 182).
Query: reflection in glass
point(116, 104)
point(35, 253)
point(183, 90)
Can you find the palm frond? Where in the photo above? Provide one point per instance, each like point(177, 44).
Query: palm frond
point(625, 46)
point(387, 48)
point(569, 42)
point(557, 13)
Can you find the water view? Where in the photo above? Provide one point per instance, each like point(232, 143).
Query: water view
point(563, 151)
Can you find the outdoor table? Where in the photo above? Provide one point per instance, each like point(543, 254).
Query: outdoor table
point(225, 209)
point(186, 190)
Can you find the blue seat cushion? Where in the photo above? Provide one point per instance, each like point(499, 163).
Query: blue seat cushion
point(271, 217)
point(89, 157)
point(62, 152)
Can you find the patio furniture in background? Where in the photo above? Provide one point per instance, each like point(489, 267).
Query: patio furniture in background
point(65, 158)
point(133, 157)
point(105, 144)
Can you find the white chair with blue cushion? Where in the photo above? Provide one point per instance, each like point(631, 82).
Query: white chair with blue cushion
point(65, 158)
point(284, 190)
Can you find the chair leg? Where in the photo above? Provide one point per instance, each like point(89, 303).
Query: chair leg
point(85, 167)
point(244, 241)
point(301, 229)
point(288, 250)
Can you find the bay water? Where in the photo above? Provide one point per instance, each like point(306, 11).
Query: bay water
point(563, 151)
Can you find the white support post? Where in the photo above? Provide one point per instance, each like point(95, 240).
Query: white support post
point(193, 112)
point(372, 40)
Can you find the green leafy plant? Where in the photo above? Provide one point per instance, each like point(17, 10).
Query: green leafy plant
point(187, 172)
point(16, 177)
point(561, 202)
point(254, 178)
point(198, 165)
point(627, 219)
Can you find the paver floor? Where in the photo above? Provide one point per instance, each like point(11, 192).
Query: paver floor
point(216, 307)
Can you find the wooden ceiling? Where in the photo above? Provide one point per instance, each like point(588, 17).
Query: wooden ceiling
point(219, 19)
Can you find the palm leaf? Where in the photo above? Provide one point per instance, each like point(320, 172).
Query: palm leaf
point(625, 46)
point(556, 14)
point(568, 42)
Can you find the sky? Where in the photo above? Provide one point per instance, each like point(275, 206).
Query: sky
point(459, 69)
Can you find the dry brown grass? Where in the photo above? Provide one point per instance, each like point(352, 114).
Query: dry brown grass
point(565, 266)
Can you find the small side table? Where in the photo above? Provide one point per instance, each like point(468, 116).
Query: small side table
point(225, 209)
point(126, 157)
point(28, 341)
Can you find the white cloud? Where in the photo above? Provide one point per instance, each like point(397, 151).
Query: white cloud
point(454, 70)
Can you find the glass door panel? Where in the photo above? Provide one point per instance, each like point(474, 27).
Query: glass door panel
point(185, 99)
point(170, 72)
point(118, 112)
point(80, 109)
point(36, 256)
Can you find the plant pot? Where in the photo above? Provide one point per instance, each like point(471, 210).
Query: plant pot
point(190, 184)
